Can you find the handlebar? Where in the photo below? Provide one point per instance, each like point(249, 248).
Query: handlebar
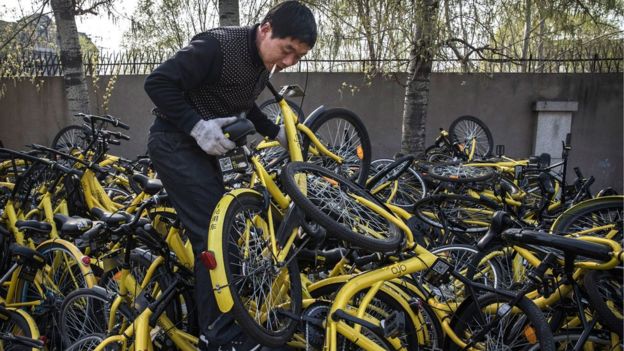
point(28, 342)
point(108, 119)
point(605, 250)
point(53, 164)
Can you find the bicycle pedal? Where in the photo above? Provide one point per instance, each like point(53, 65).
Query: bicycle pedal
point(394, 325)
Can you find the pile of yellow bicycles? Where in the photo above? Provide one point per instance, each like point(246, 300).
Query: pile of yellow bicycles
point(314, 247)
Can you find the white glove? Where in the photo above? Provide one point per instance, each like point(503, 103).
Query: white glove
point(210, 138)
point(281, 137)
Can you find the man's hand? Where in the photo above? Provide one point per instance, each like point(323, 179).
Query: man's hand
point(281, 137)
point(210, 138)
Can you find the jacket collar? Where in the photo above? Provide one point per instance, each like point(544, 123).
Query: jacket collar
point(253, 48)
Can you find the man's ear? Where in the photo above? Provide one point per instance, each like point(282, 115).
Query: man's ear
point(265, 27)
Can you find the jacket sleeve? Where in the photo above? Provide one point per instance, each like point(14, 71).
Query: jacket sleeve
point(262, 123)
point(198, 63)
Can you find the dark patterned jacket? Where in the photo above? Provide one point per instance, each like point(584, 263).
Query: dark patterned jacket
point(219, 74)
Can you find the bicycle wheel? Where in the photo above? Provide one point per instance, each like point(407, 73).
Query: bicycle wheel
point(273, 111)
point(17, 323)
point(71, 137)
point(335, 203)
point(181, 310)
point(605, 292)
point(458, 173)
point(64, 272)
point(596, 217)
point(457, 214)
point(421, 330)
point(499, 326)
point(68, 272)
point(265, 295)
point(87, 312)
point(466, 128)
point(567, 341)
point(397, 183)
point(344, 134)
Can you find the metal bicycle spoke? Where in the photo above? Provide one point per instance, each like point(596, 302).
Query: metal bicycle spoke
point(344, 208)
point(254, 272)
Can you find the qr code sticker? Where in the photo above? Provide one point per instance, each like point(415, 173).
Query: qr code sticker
point(440, 267)
point(225, 164)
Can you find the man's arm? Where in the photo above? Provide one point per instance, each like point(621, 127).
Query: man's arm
point(198, 63)
point(262, 123)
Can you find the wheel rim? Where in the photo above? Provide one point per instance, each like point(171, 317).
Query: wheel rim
point(459, 172)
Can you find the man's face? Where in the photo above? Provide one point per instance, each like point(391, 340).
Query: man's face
point(281, 52)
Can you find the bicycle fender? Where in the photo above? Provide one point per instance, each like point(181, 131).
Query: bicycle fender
point(583, 204)
point(314, 115)
point(218, 276)
point(85, 269)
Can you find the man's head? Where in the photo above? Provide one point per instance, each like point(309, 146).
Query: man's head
point(287, 33)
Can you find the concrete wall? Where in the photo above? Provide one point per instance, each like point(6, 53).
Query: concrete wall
point(503, 101)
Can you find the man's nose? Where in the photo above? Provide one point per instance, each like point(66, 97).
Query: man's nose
point(290, 60)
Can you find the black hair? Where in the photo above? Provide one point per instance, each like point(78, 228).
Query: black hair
point(292, 19)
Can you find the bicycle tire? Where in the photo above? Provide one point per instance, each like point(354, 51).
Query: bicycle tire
point(242, 276)
point(71, 137)
point(272, 110)
point(566, 342)
point(605, 292)
point(464, 128)
point(88, 343)
point(16, 323)
point(343, 133)
point(376, 233)
point(458, 173)
point(592, 213)
point(537, 331)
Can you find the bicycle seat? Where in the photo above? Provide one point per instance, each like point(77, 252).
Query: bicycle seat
point(238, 130)
point(72, 226)
point(500, 222)
point(41, 227)
point(111, 219)
point(569, 246)
point(148, 185)
point(30, 255)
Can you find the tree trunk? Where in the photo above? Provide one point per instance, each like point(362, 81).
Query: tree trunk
point(418, 81)
point(228, 13)
point(527, 36)
point(71, 57)
point(363, 7)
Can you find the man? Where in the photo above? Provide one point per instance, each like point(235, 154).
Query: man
point(196, 92)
